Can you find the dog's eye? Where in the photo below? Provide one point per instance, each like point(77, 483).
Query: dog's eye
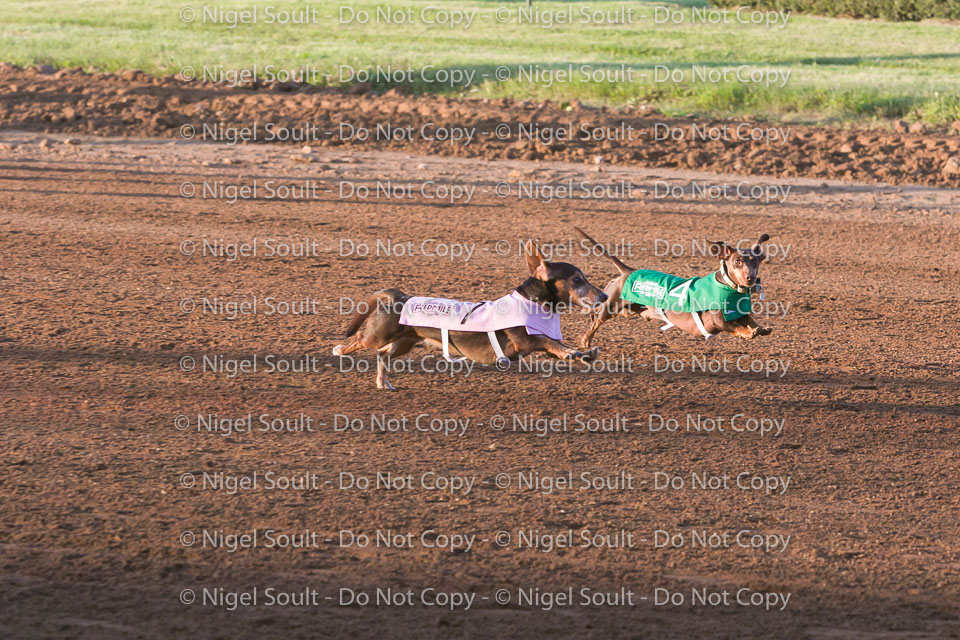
point(737, 262)
point(577, 281)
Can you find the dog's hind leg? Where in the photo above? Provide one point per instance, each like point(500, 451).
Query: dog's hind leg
point(382, 382)
point(392, 350)
point(598, 319)
point(352, 345)
point(609, 309)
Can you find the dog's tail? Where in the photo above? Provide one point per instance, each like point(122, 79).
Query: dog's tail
point(386, 298)
point(624, 269)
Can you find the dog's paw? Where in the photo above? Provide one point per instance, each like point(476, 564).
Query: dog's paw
point(758, 331)
point(337, 349)
point(590, 355)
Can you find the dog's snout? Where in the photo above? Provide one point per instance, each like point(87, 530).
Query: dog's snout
point(602, 298)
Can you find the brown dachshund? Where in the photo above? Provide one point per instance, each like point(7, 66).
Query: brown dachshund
point(554, 285)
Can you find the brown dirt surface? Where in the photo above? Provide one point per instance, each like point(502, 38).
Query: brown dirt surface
point(92, 328)
point(137, 105)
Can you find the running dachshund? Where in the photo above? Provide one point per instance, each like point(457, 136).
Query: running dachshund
point(554, 285)
point(738, 267)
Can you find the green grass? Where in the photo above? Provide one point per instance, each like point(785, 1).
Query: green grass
point(841, 70)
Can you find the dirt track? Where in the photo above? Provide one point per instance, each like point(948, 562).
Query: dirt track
point(92, 332)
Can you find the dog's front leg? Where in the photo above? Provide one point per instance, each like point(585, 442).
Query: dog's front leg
point(748, 329)
point(760, 331)
point(555, 348)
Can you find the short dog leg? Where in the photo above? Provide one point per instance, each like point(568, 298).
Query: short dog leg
point(750, 329)
point(760, 331)
point(382, 382)
point(350, 347)
point(598, 320)
point(563, 352)
point(607, 311)
point(524, 344)
point(391, 350)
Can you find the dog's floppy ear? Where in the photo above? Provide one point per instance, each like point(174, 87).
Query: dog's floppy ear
point(758, 249)
point(720, 249)
point(536, 265)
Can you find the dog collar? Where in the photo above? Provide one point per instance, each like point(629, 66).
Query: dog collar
point(729, 281)
point(756, 288)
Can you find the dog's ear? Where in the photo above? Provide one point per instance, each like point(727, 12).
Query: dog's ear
point(758, 249)
point(720, 249)
point(536, 265)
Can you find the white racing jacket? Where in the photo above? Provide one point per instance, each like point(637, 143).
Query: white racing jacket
point(512, 310)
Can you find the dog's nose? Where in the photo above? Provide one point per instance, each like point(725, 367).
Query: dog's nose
point(603, 297)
